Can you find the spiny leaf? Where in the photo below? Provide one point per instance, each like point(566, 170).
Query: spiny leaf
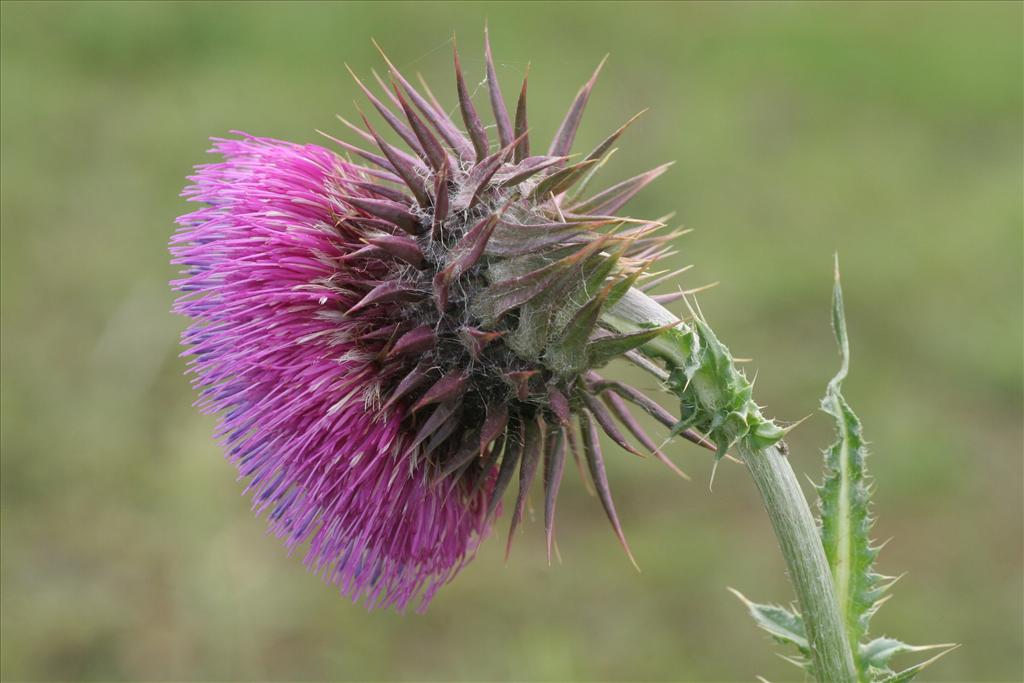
point(466, 254)
point(595, 276)
point(519, 380)
point(583, 185)
point(844, 498)
point(369, 156)
point(370, 135)
point(908, 674)
point(434, 102)
point(559, 405)
point(879, 651)
point(514, 239)
point(481, 174)
point(574, 447)
point(471, 247)
point(846, 523)
point(569, 350)
point(443, 432)
point(652, 408)
point(661, 279)
point(638, 398)
point(783, 625)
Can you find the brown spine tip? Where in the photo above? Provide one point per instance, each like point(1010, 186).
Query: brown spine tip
point(432, 148)
point(497, 102)
point(389, 116)
point(438, 119)
point(608, 424)
point(522, 149)
point(509, 460)
point(619, 409)
point(554, 467)
point(533, 452)
point(403, 166)
point(612, 199)
point(562, 142)
point(595, 460)
point(494, 424)
point(477, 133)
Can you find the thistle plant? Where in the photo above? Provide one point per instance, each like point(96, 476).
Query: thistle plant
point(845, 526)
point(396, 335)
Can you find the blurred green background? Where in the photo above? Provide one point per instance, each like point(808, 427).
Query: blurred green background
point(889, 132)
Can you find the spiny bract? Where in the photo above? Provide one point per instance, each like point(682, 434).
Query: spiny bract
point(389, 343)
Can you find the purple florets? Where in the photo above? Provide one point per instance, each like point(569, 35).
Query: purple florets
point(275, 357)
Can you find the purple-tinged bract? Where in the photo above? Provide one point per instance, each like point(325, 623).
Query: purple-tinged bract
point(388, 345)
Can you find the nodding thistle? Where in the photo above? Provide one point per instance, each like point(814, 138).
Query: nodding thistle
point(393, 343)
point(388, 342)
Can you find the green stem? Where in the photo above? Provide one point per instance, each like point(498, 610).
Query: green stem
point(801, 547)
point(787, 508)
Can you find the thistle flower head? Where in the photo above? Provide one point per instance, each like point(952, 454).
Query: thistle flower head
point(388, 343)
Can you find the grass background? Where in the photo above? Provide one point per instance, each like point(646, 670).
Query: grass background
point(889, 132)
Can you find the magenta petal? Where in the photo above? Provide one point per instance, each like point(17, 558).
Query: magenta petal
point(272, 353)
